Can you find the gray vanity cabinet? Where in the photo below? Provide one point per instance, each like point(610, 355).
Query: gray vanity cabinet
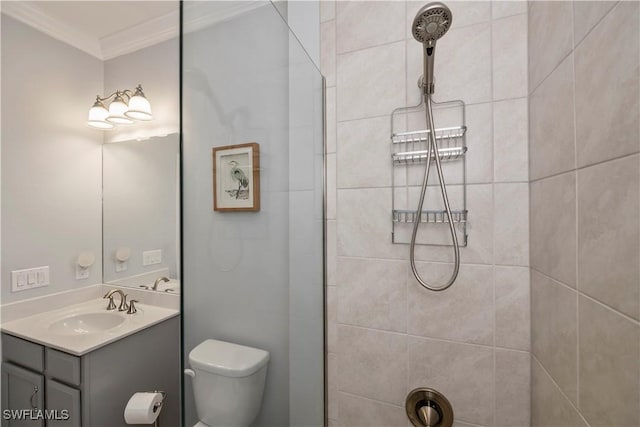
point(62, 396)
point(21, 389)
point(96, 386)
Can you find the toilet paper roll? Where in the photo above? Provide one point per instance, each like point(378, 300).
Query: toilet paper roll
point(143, 408)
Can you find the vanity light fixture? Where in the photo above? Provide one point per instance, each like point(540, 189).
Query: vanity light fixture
point(125, 108)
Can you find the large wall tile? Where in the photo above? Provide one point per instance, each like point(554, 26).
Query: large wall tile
point(462, 372)
point(501, 9)
point(512, 388)
point(331, 245)
point(551, 129)
point(328, 52)
point(363, 24)
point(509, 57)
point(550, 37)
point(553, 227)
point(464, 312)
point(330, 165)
point(327, 10)
point(511, 141)
point(462, 66)
point(363, 153)
point(586, 14)
point(364, 227)
point(372, 364)
point(513, 324)
point(549, 407)
point(554, 332)
point(373, 293)
point(608, 72)
point(609, 366)
point(332, 319)
point(331, 127)
point(332, 386)
point(356, 411)
point(371, 82)
point(511, 229)
point(609, 233)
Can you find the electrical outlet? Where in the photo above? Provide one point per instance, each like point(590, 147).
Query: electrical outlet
point(29, 278)
point(152, 257)
point(121, 266)
point(82, 273)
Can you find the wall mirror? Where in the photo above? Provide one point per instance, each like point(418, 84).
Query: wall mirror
point(141, 222)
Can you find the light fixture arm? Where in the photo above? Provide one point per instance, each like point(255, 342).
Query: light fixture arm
point(129, 93)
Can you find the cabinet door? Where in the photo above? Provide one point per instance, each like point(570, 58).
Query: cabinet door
point(21, 390)
point(62, 398)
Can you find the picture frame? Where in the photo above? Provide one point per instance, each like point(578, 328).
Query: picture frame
point(236, 178)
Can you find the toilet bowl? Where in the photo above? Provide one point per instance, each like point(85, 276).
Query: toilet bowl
point(228, 383)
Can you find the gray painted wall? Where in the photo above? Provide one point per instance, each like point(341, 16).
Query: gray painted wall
point(140, 198)
point(51, 163)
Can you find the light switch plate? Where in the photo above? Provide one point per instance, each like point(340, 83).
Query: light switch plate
point(152, 257)
point(29, 278)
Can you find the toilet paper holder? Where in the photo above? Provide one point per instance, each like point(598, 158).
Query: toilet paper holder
point(157, 407)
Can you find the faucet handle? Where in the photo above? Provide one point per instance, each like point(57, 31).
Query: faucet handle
point(123, 303)
point(111, 305)
point(132, 307)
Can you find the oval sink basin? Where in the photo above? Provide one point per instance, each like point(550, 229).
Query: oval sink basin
point(86, 323)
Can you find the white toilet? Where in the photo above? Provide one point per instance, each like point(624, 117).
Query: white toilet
point(228, 382)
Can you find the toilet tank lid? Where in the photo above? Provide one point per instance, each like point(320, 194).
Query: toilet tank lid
point(227, 359)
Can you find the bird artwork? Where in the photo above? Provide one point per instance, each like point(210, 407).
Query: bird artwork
point(240, 177)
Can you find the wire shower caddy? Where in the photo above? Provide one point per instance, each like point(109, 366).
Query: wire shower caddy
point(409, 138)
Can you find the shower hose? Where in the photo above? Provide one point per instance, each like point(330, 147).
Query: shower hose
point(432, 147)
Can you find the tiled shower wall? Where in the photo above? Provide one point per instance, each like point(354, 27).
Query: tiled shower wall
point(386, 334)
point(585, 210)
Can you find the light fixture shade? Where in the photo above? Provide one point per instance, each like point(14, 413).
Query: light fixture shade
point(97, 116)
point(139, 106)
point(117, 109)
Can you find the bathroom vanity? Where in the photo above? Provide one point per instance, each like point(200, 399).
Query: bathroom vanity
point(75, 359)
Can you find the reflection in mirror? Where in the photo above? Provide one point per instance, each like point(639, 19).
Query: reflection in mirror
point(141, 213)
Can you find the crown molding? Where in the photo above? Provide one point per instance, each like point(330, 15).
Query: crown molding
point(33, 16)
point(147, 34)
point(203, 14)
point(200, 15)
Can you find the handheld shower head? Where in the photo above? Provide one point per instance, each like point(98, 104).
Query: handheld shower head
point(431, 23)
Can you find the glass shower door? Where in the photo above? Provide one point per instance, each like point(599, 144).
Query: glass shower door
point(254, 277)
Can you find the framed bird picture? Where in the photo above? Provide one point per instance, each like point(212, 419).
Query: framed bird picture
point(236, 178)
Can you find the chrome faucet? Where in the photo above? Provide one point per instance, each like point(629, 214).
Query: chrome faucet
point(158, 280)
point(123, 300)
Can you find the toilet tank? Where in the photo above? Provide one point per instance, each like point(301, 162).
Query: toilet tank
point(228, 383)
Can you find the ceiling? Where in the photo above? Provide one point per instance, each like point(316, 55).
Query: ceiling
point(100, 19)
point(107, 29)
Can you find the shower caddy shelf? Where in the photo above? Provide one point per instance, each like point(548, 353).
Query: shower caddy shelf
point(409, 150)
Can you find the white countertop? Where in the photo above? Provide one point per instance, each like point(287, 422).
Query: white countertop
point(36, 327)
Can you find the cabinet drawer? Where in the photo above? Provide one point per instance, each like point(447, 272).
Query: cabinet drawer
point(65, 401)
point(23, 353)
point(62, 366)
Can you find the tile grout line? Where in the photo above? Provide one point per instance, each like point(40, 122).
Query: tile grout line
point(589, 297)
point(493, 214)
point(576, 205)
point(559, 389)
point(579, 168)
